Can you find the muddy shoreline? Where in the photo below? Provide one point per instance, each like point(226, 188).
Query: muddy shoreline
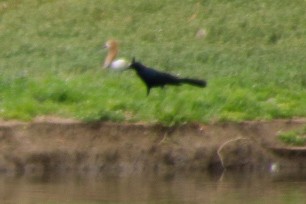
point(49, 145)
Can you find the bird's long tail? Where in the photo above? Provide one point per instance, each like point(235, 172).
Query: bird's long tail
point(195, 82)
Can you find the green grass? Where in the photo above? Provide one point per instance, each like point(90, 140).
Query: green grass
point(294, 137)
point(253, 59)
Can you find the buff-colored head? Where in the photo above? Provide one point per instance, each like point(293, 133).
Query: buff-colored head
point(111, 45)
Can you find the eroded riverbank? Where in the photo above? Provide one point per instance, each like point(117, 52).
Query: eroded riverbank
point(52, 145)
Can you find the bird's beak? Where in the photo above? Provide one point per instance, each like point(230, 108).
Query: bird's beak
point(106, 46)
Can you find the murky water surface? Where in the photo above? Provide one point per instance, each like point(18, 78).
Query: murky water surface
point(238, 187)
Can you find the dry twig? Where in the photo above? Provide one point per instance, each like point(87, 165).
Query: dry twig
point(224, 144)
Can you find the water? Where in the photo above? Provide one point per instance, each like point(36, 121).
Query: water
point(231, 187)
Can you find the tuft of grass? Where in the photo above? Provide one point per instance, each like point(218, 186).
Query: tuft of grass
point(253, 58)
point(295, 137)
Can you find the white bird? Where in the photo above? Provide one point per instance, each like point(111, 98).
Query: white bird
point(110, 61)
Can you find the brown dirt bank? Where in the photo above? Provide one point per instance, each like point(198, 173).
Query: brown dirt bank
point(52, 145)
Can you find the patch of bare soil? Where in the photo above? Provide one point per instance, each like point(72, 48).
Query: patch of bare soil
point(58, 145)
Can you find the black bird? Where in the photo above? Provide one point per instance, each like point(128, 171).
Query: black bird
point(153, 78)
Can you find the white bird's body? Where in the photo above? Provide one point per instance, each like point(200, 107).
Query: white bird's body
point(119, 64)
point(110, 62)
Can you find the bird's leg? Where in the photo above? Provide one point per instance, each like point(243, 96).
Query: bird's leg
point(148, 90)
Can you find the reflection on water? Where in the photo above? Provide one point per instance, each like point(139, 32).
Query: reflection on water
point(201, 188)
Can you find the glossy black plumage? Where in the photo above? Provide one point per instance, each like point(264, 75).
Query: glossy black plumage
point(153, 78)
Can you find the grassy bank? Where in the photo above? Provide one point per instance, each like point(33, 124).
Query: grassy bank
point(253, 58)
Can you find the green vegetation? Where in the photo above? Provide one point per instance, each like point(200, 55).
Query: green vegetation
point(294, 137)
point(253, 58)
